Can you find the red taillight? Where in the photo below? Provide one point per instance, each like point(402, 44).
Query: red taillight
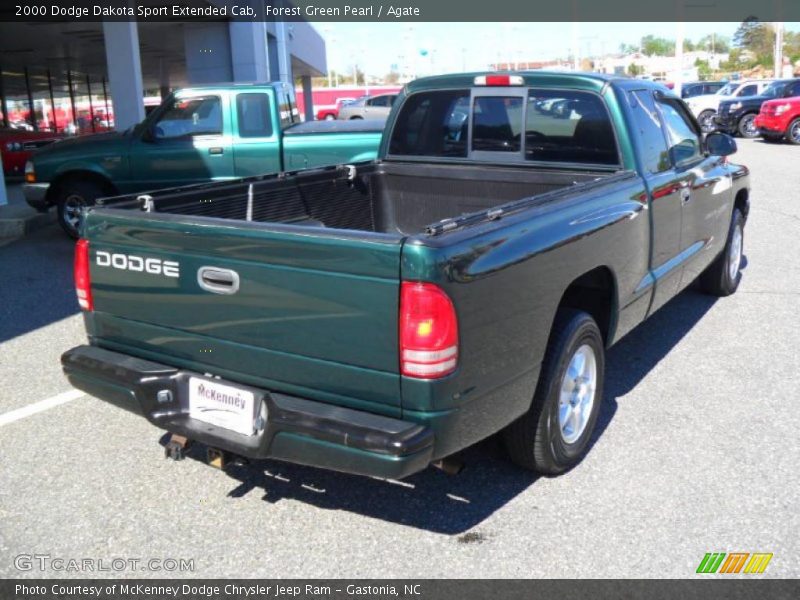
point(83, 282)
point(428, 331)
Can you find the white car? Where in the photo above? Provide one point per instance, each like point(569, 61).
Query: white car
point(368, 107)
point(706, 106)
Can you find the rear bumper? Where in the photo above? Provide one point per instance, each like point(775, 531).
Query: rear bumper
point(296, 430)
point(771, 126)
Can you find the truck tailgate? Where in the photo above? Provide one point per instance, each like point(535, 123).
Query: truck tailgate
point(315, 312)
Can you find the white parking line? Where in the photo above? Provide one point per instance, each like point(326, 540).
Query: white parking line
point(37, 407)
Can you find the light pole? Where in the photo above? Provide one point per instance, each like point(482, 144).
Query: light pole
point(3, 193)
point(778, 49)
point(328, 41)
point(679, 9)
point(679, 59)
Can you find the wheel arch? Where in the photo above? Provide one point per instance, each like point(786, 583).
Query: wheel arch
point(742, 201)
point(787, 134)
point(595, 292)
point(740, 120)
point(80, 175)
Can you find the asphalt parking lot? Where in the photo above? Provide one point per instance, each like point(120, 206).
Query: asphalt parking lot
point(697, 451)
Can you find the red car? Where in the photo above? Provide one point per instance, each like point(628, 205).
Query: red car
point(780, 119)
point(17, 145)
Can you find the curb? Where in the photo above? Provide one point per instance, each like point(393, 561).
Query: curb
point(14, 227)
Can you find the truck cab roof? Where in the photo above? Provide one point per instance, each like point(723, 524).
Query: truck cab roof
point(237, 86)
point(587, 81)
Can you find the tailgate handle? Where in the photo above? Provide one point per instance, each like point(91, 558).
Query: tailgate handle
point(218, 281)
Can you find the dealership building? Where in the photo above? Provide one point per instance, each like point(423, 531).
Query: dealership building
point(88, 68)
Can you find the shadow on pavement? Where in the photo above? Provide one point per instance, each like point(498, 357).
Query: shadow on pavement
point(630, 360)
point(37, 282)
point(452, 505)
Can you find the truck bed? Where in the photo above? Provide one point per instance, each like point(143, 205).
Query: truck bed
point(384, 197)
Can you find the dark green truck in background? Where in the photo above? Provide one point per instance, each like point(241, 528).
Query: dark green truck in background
point(378, 317)
point(199, 134)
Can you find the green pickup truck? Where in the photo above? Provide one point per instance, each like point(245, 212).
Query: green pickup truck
point(379, 317)
point(198, 134)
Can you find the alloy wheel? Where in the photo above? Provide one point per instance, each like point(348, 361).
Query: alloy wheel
point(577, 396)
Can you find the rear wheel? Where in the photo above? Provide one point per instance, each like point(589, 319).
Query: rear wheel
point(722, 277)
point(793, 132)
point(356, 118)
point(747, 126)
point(554, 434)
point(329, 117)
point(73, 196)
point(706, 120)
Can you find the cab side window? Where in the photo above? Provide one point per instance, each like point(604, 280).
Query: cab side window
point(254, 114)
point(682, 135)
point(188, 117)
point(378, 101)
point(748, 90)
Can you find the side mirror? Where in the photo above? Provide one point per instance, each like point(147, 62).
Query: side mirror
point(720, 144)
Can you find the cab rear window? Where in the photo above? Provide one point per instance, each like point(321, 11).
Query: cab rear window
point(541, 125)
point(432, 124)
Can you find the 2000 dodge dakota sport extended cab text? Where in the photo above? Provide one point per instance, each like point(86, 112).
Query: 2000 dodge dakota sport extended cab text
point(378, 317)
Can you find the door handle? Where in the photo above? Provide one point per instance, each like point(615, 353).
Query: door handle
point(686, 192)
point(218, 281)
point(216, 150)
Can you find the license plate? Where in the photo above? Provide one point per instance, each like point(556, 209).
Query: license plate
point(222, 405)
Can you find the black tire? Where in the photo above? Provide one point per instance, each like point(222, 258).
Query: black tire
point(356, 118)
point(74, 194)
point(706, 120)
point(746, 126)
point(793, 132)
point(718, 279)
point(535, 441)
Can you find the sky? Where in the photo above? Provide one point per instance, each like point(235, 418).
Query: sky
point(450, 47)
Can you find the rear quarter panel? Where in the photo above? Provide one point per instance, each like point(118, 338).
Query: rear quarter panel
point(506, 279)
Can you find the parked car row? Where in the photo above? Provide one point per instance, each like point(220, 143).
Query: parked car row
point(739, 116)
point(769, 108)
point(705, 107)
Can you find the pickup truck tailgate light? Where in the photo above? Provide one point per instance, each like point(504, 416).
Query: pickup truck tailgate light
point(499, 80)
point(428, 331)
point(83, 283)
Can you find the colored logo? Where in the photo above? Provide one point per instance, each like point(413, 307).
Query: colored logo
point(734, 562)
